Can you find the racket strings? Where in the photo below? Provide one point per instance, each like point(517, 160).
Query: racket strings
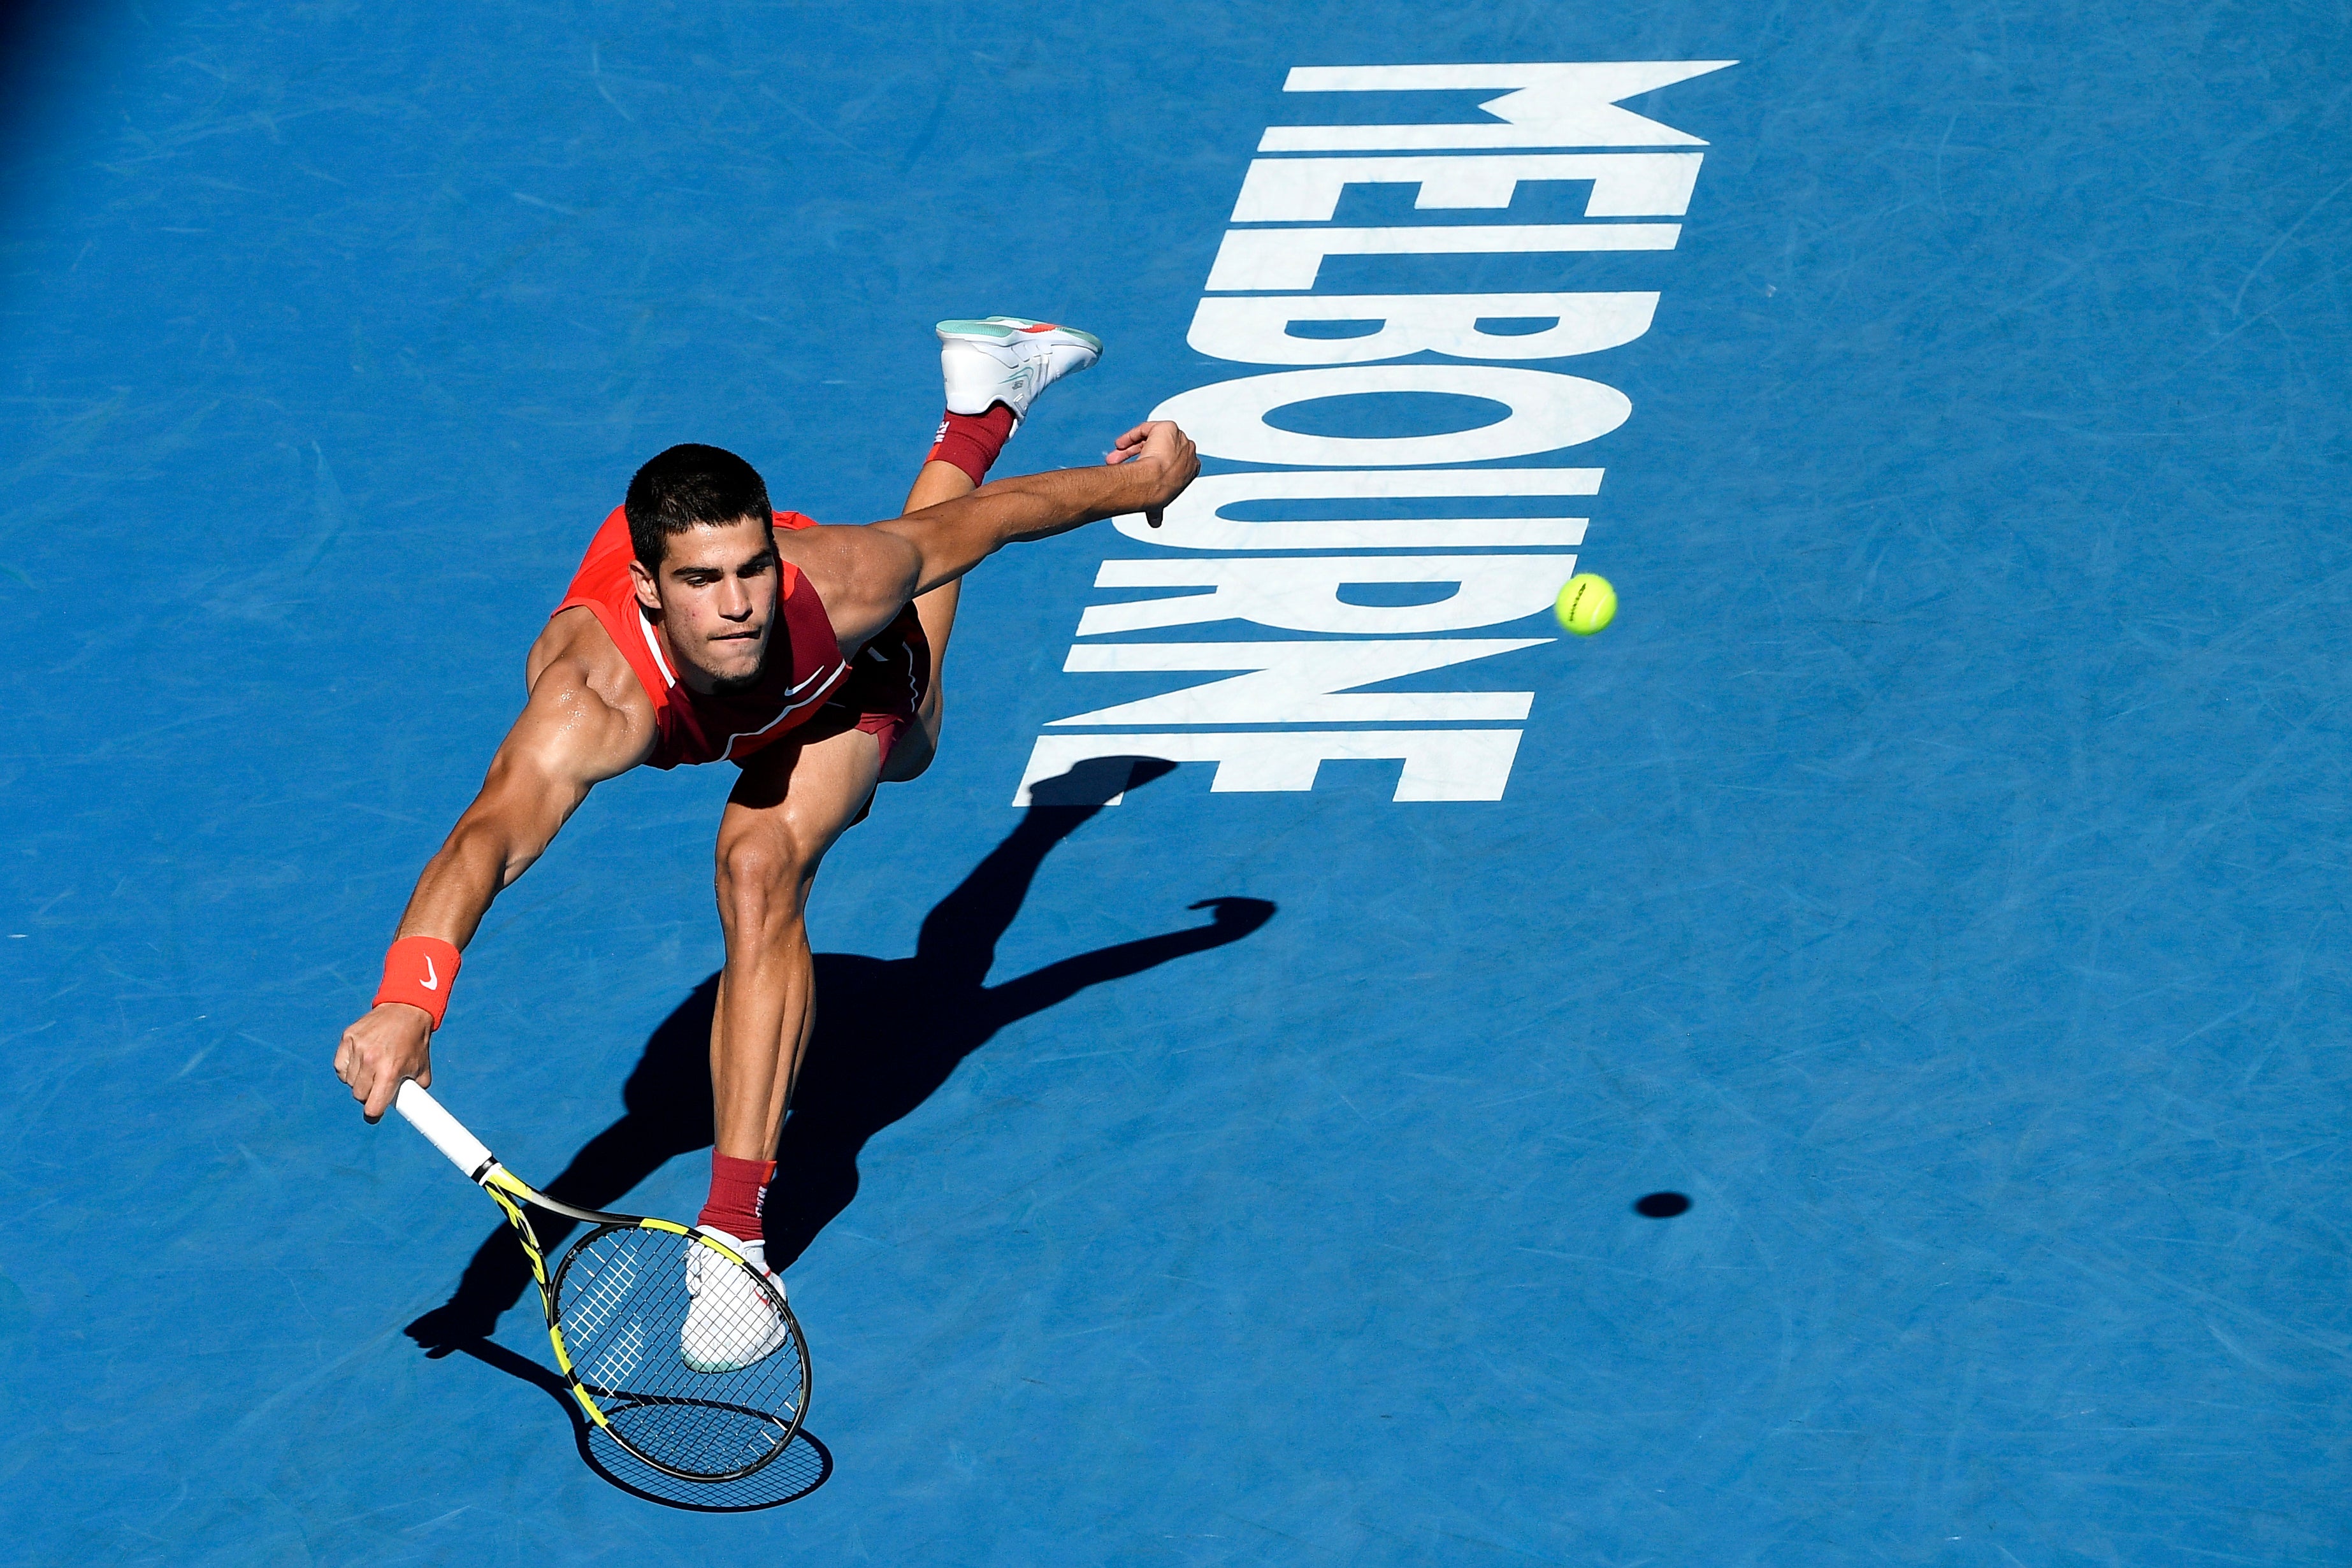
point(692, 1358)
point(606, 1291)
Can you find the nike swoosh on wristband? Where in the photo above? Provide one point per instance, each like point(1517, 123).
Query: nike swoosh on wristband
point(432, 982)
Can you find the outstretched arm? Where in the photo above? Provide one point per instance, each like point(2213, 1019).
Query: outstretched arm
point(570, 738)
point(865, 575)
point(1148, 468)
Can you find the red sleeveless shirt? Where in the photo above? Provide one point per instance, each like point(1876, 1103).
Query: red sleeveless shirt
point(804, 663)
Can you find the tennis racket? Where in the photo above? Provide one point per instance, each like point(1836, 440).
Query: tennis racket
point(674, 1345)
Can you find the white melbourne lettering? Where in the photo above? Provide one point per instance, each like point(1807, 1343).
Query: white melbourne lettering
point(1488, 547)
point(1560, 105)
point(1624, 184)
point(1546, 410)
point(1439, 763)
point(1293, 258)
point(1257, 330)
point(1197, 519)
point(1301, 593)
point(1302, 683)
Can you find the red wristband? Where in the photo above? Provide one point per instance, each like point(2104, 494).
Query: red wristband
point(418, 971)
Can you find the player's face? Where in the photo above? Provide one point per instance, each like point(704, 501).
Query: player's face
point(716, 595)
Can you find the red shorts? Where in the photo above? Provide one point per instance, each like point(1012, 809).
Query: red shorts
point(887, 682)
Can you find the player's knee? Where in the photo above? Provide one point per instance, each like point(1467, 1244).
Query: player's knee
point(762, 877)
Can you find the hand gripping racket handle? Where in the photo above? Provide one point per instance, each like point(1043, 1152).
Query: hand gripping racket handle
point(444, 1131)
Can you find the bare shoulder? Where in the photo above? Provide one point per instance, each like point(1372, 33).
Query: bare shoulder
point(587, 712)
point(864, 576)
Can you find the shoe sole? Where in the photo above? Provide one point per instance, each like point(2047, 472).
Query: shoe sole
point(1005, 328)
point(731, 1366)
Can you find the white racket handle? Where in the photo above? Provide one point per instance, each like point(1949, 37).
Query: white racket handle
point(444, 1131)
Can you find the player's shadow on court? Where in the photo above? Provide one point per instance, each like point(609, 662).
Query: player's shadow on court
point(890, 1032)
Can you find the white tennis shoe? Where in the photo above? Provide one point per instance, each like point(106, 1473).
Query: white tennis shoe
point(732, 1324)
point(1009, 359)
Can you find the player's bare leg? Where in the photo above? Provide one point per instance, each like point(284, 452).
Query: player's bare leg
point(794, 801)
point(776, 831)
point(914, 750)
point(992, 367)
point(785, 812)
point(788, 807)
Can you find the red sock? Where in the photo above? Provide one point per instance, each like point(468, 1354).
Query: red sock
point(738, 1190)
point(971, 440)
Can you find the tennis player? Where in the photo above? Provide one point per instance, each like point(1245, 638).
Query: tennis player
point(704, 626)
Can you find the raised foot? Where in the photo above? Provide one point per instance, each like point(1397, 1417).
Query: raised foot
point(1009, 359)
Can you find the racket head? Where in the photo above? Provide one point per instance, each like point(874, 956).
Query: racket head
point(680, 1350)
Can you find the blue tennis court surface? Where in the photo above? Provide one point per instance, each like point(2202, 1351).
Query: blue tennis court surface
point(1935, 874)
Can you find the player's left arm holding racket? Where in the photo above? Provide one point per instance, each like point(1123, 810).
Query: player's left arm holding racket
point(587, 720)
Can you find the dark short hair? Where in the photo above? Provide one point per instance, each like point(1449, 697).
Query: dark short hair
point(690, 487)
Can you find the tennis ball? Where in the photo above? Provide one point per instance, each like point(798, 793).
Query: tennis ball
point(1587, 604)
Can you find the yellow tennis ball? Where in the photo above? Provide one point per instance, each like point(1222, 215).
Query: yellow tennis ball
point(1587, 604)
